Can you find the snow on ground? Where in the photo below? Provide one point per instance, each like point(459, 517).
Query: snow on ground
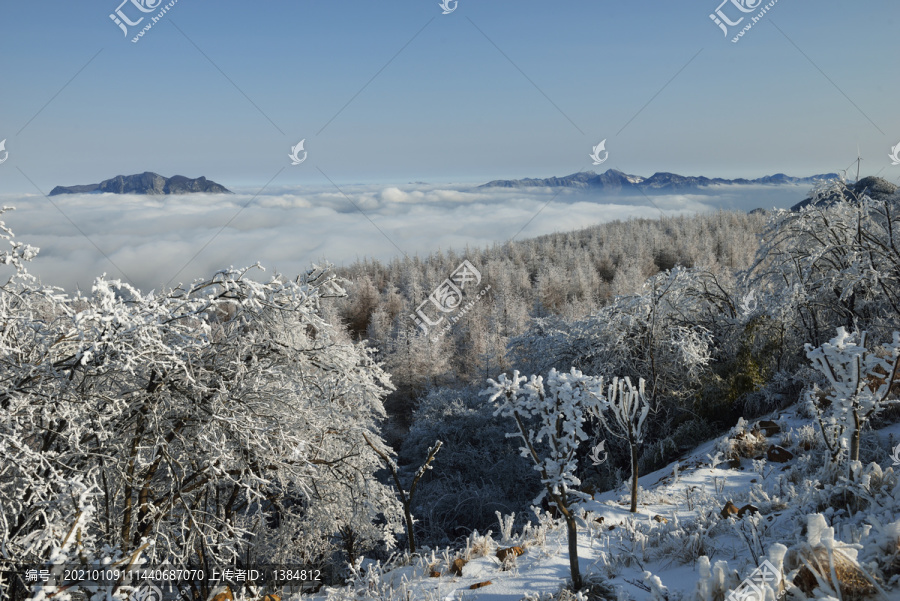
point(678, 520)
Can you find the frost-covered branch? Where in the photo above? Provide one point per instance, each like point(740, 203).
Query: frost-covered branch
point(860, 380)
point(406, 497)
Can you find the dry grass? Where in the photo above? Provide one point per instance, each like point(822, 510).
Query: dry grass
point(853, 582)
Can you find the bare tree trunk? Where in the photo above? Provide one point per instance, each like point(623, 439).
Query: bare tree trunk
point(634, 478)
point(572, 532)
point(572, 535)
point(854, 438)
point(410, 533)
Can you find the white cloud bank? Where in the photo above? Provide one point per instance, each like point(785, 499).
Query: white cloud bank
point(151, 238)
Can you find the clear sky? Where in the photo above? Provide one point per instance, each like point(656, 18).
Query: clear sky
point(389, 93)
point(492, 90)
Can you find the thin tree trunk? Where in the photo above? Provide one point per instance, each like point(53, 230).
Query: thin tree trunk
point(854, 438)
point(572, 535)
point(634, 478)
point(407, 497)
point(572, 532)
point(410, 533)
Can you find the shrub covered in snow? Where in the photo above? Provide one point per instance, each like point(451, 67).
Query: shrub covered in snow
point(743, 442)
point(860, 382)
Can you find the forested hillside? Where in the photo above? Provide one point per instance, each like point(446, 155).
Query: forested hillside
point(562, 276)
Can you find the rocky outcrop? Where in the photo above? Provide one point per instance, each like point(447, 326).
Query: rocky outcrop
point(777, 454)
point(729, 510)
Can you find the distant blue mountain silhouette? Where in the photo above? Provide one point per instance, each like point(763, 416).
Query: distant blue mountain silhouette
point(146, 183)
point(617, 181)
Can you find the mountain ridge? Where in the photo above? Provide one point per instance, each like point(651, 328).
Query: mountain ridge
point(613, 179)
point(146, 183)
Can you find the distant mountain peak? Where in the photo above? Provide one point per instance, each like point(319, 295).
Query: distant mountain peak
point(613, 179)
point(146, 183)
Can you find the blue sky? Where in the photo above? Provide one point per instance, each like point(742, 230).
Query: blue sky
point(388, 93)
point(450, 107)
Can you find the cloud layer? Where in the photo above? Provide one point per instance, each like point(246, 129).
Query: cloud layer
point(153, 240)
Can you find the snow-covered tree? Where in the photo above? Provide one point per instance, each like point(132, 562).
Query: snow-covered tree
point(628, 408)
point(860, 381)
point(560, 409)
point(662, 334)
point(835, 262)
point(218, 422)
point(676, 334)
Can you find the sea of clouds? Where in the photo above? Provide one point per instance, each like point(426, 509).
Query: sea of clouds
point(154, 241)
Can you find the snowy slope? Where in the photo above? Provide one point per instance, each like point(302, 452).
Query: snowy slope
point(677, 523)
